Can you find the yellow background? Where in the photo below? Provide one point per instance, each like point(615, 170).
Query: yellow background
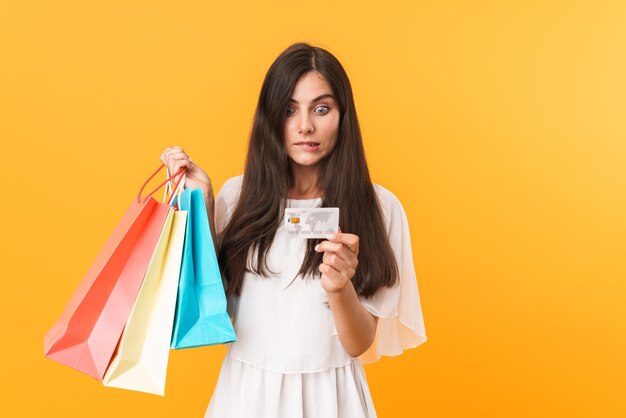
point(499, 125)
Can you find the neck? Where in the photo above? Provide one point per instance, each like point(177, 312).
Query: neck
point(305, 183)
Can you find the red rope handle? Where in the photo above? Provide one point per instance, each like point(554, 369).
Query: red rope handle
point(178, 173)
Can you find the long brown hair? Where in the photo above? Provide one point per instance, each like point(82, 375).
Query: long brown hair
point(343, 178)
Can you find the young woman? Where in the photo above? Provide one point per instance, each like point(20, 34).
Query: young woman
point(307, 312)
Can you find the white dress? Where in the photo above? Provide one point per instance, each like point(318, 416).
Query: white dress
point(288, 360)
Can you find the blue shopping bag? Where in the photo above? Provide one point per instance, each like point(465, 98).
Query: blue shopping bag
point(201, 317)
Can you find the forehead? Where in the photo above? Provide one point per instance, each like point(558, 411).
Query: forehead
point(310, 86)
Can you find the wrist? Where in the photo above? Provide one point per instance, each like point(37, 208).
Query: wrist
point(340, 292)
point(207, 190)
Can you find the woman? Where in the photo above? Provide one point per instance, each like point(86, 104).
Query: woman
point(307, 312)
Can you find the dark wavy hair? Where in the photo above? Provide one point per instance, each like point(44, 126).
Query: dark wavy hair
point(343, 179)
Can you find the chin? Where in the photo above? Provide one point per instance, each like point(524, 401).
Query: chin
point(306, 161)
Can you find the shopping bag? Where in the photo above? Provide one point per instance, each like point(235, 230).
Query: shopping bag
point(86, 334)
point(201, 317)
point(140, 362)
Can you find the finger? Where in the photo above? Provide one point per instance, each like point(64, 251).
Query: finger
point(328, 246)
point(176, 148)
point(175, 155)
point(171, 155)
point(172, 152)
point(330, 271)
point(338, 263)
point(350, 241)
point(163, 156)
point(178, 164)
point(175, 159)
point(171, 149)
point(337, 278)
point(339, 249)
point(345, 261)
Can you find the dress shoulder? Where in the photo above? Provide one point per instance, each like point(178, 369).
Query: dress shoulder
point(400, 320)
point(225, 202)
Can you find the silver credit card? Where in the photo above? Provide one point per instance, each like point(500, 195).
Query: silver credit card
point(311, 222)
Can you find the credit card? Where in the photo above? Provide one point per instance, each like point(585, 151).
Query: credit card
point(311, 222)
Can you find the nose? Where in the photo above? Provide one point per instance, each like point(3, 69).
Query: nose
point(305, 124)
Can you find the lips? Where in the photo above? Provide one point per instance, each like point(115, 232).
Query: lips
point(308, 146)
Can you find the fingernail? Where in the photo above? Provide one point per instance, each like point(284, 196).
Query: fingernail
point(317, 247)
point(331, 236)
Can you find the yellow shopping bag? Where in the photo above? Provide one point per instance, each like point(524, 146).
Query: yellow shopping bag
point(140, 362)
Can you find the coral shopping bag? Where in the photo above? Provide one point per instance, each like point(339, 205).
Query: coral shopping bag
point(140, 362)
point(201, 317)
point(86, 334)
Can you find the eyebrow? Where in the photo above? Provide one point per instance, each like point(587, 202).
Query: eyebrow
point(317, 99)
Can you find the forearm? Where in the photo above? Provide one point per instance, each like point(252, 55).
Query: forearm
point(209, 201)
point(356, 327)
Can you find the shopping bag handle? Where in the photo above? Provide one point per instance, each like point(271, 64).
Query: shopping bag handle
point(173, 190)
point(182, 170)
point(178, 189)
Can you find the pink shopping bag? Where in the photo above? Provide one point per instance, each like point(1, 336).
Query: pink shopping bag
point(86, 334)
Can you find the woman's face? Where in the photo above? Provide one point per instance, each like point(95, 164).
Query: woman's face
point(312, 122)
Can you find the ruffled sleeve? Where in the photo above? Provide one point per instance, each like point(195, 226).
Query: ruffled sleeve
point(400, 321)
point(225, 202)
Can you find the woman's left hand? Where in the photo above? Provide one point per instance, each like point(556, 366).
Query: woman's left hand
point(339, 262)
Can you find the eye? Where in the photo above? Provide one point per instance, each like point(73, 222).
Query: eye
point(324, 109)
point(290, 111)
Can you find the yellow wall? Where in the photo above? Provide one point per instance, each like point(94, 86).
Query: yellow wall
point(499, 125)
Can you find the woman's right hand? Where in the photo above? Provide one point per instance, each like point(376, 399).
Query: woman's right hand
point(175, 157)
